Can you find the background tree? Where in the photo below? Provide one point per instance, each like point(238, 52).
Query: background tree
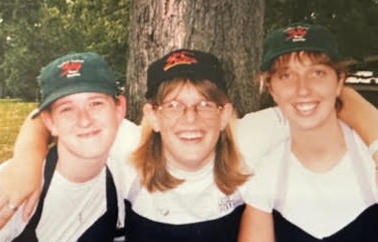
point(232, 30)
point(33, 32)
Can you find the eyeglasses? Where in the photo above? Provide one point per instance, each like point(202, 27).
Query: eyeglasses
point(175, 109)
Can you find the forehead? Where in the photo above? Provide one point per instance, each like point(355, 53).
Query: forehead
point(79, 98)
point(184, 90)
point(302, 58)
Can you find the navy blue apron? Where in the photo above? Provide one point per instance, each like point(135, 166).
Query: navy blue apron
point(362, 229)
point(102, 230)
point(141, 229)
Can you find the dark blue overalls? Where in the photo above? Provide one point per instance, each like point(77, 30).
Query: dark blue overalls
point(102, 230)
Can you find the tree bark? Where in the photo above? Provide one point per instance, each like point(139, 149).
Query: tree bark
point(230, 29)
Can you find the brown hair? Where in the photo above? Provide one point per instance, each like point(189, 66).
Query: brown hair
point(316, 57)
point(151, 164)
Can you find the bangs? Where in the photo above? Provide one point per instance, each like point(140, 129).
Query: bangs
point(302, 57)
point(206, 88)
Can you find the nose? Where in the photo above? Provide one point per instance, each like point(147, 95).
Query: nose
point(190, 114)
point(303, 88)
point(84, 118)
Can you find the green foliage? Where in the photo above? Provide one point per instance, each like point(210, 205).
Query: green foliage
point(32, 33)
point(13, 113)
point(353, 22)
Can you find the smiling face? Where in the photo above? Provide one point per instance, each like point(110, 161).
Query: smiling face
point(305, 90)
point(85, 124)
point(188, 140)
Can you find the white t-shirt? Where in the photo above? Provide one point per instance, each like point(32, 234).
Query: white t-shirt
point(197, 199)
point(69, 208)
point(319, 203)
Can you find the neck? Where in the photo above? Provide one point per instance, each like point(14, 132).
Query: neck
point(321, 148)
point(78, 169)
point(189, 165)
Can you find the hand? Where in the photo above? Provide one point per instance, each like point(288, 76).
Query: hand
point(19, 183)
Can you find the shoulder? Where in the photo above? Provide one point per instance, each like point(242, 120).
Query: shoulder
point(259, 191)
point(259, 132)
point(124, 174)
point(127, 140)
point(272, 115)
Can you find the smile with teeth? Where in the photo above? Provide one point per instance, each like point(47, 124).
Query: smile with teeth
point(305, 107)
point(190, 135)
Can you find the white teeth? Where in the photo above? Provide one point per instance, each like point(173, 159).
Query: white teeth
point(305, 107)
point(190, 135)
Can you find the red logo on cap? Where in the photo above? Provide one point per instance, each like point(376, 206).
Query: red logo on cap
point(297, 34)
point(179, 58)
point(71, 68)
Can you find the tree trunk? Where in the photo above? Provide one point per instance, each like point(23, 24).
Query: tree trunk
point(230, 29)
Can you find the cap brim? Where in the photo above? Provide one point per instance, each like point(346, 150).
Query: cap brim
point(73, 89)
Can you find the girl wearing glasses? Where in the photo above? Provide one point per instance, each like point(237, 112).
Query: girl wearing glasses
point(188, 169)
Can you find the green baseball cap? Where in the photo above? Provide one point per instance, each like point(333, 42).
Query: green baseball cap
point(298, 37)
point(75, 73)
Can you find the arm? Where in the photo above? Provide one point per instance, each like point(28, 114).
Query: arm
point(256, 226)
point(361, 115)
point(29, 153)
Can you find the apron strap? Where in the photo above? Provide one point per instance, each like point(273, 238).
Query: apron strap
point(28, 234)
point(359, 169)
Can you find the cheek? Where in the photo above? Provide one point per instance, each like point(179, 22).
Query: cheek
point(281, 93)
point(330, 89)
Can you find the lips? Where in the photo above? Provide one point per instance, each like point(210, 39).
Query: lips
point(89, 134)
point(190, 135)
point(305, 108)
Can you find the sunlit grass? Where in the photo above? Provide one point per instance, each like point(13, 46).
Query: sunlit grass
point(12, 115)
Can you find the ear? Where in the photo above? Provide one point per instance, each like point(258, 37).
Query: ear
point(121, 108)
point(340, 83)
point(226, 115)
point(47, 119)
point(263, 82)
point(150, 114)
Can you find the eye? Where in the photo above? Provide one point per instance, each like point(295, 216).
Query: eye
point(319, 73)
point(172, 105)
point(206, 105)
point(65, 109)
point(97, 103)
point(284, 76)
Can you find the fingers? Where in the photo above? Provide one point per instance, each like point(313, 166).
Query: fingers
point(6, 213)
point(30, 204)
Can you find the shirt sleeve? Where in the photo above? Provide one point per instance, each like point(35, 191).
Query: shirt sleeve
point(368, 164)
point(260, 190)
point(260, 132)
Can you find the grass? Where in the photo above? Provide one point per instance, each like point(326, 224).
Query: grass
point(12, 115)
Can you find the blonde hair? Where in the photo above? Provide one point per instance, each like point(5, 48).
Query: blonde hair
point(151, 164)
